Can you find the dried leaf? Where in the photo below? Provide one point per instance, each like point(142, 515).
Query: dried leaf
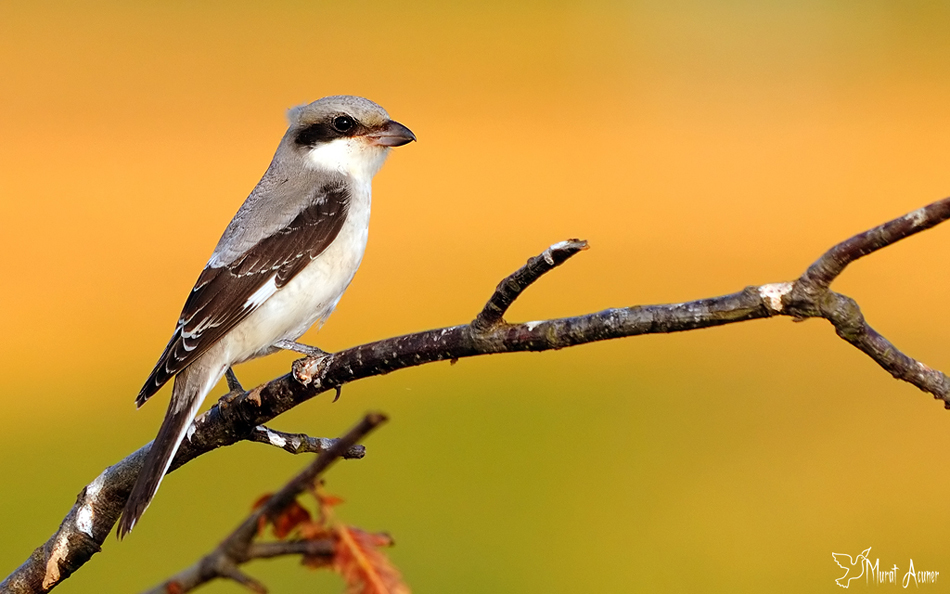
point(291, 517)
point(325, 503)
point(262, 521)
point(261, 500)
point(356, 556)
point(330, 500)
point(315, 531)
point(364, 568)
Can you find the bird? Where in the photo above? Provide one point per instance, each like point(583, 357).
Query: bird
point(281, 265)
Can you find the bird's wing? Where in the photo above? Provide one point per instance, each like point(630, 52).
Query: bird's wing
point(226, 294)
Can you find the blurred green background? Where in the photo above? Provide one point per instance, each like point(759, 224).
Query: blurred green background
point(699, 146)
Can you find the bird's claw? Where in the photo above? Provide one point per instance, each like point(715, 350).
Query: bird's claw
point(310, 351)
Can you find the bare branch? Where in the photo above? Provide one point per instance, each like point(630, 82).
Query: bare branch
point(309, 548)
point(299, 443)
point(811, 297)
point(238, 547)
point(231, 572)
point(832, 263)
point(237, 416)
point(508, 290)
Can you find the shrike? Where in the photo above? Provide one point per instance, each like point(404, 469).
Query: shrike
point(281, 265)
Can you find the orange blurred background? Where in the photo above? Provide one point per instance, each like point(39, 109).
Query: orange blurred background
point(699, 146)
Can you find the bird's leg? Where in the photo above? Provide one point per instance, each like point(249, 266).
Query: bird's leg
point(290, 345)
point(233, 384)
point(235, 389)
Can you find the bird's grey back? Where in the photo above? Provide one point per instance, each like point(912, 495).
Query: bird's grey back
point(286, 188)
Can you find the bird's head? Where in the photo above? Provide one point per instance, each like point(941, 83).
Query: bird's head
point(345, 134)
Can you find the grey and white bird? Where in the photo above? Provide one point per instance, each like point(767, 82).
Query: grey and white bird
point(281, 265)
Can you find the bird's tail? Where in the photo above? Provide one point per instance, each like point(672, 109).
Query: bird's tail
point(191, 386)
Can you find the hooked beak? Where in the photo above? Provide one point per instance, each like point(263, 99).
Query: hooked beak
point(391, 134)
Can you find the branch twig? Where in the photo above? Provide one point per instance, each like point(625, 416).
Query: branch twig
point(299, 443)
point(236, 418)
point(310, 548)
point(509, 289)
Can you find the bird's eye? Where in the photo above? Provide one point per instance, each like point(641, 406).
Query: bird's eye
point(343, 124)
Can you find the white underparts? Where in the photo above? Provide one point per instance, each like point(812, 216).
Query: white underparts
point(352, 156)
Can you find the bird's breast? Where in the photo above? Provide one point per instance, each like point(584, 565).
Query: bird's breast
point(312, 294)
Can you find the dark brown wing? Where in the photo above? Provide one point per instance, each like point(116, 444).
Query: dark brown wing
point(225, 295)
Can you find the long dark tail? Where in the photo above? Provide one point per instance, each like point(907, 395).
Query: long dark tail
point(191, 386)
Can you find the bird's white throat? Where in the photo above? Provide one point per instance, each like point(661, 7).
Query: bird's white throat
point(352, 156)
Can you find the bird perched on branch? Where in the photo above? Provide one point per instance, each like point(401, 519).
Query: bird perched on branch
point(281, 265)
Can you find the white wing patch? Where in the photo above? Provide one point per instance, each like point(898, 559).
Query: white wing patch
point(261, 295)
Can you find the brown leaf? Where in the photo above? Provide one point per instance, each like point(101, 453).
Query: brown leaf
point(286, 521)
point(261, 500)
point(262, 521)
point(314, 531)
point(364, 568)
point(331, 500)
point(325, 502)
point(289, 518)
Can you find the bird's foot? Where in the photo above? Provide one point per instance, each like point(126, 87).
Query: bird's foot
point(310, 351)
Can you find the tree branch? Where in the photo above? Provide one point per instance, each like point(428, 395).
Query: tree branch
point(826, 269)
point(238, 548)
point(509, 289)
point(310, 548)
point(236, 417)
point(299, 443)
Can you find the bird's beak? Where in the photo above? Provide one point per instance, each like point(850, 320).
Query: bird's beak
point(391, 134)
